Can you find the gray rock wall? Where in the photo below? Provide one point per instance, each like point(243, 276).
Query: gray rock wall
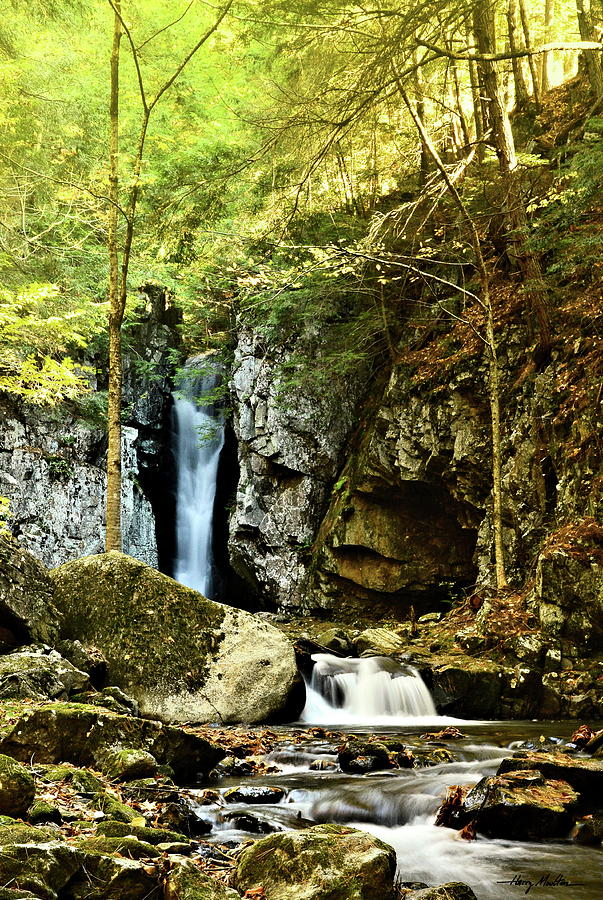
point(292, 445)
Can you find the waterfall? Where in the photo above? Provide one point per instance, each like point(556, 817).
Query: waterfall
point(369, 690)
point(198, 440)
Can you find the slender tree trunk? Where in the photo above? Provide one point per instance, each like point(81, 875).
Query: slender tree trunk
point(113, 523)
point(490, 342)
point(515, 211)
point(592, 58)
point(528, 44)
point(549, 12)
point(516, 43)
point(477, 103)
point(420, 101)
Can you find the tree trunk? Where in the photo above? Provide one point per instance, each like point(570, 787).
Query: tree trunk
point(549, 12)
point(528, 44)
point(516, 43)
point(592, 58)
point(420, 101)
point(113, 523)
point(514, 207)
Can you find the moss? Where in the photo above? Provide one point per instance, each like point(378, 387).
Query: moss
point(115, 602)
point(83, 781)
point(43, 811)
point(114, 808)
point(26, 834)
point(17, 789)
point(152, 835)
point(128, 846)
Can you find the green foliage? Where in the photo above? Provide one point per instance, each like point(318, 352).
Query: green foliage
point(39, 330)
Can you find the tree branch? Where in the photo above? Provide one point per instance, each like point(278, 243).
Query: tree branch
point(517, 54)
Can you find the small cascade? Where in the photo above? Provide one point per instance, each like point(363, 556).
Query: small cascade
point(198, 440)
point(366, 691)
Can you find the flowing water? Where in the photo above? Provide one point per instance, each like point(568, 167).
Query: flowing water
point(399, 805)
point(198, 440)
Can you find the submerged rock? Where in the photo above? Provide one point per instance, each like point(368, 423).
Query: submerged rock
point(325, 861)
point(182, 657)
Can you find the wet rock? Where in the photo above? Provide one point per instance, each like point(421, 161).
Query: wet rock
point(39, 673)
point(323, 765)
point(182, 657)
point(520, 805)
point(26, 601)
point(187, 882)
point(247, 822)
point(327, 860)
point(583, 774)
point(230, 765)
point(378, 641)
point(87, 736)
point(452, 890)
point(589, 829)
point(470, 689)
point(254, 794)
point(17, 789)
point(358, 757)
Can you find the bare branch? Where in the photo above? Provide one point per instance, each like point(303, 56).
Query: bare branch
point(516, 54)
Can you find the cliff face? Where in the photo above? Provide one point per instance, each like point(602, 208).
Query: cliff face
point(52, 461)
point(291, 447)
point(407, 518)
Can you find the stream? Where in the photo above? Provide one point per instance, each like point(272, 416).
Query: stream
point(399, 805)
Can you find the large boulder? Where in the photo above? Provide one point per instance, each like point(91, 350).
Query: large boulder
point(325, 861)
point(27, 613)
point(585, 775)
point(17, 789)
point(182, 657)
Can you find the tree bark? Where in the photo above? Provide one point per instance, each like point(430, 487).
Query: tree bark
point(549, 12)
point(528, 44)
point(592, 58)
point(515, 44)
point(113, 507)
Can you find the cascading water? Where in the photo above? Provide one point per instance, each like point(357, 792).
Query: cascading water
point(198, 440)
point(364, 691)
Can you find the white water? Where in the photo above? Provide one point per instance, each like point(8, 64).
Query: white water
point(370, 691)
point(199, 438)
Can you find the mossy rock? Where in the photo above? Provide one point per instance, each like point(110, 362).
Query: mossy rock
point(128, 846)
point(111, 828)
point(325, 861)
point(128, 764)
point(452, 890)
point(88, 736)
point(26, 595)
point(20, 833)
point(44, 869)
point(181, 656)
point(82, 780)
point(42, 811)
point(113, 808)
point(109, 877)
point(187, 882)
point(17, 788)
